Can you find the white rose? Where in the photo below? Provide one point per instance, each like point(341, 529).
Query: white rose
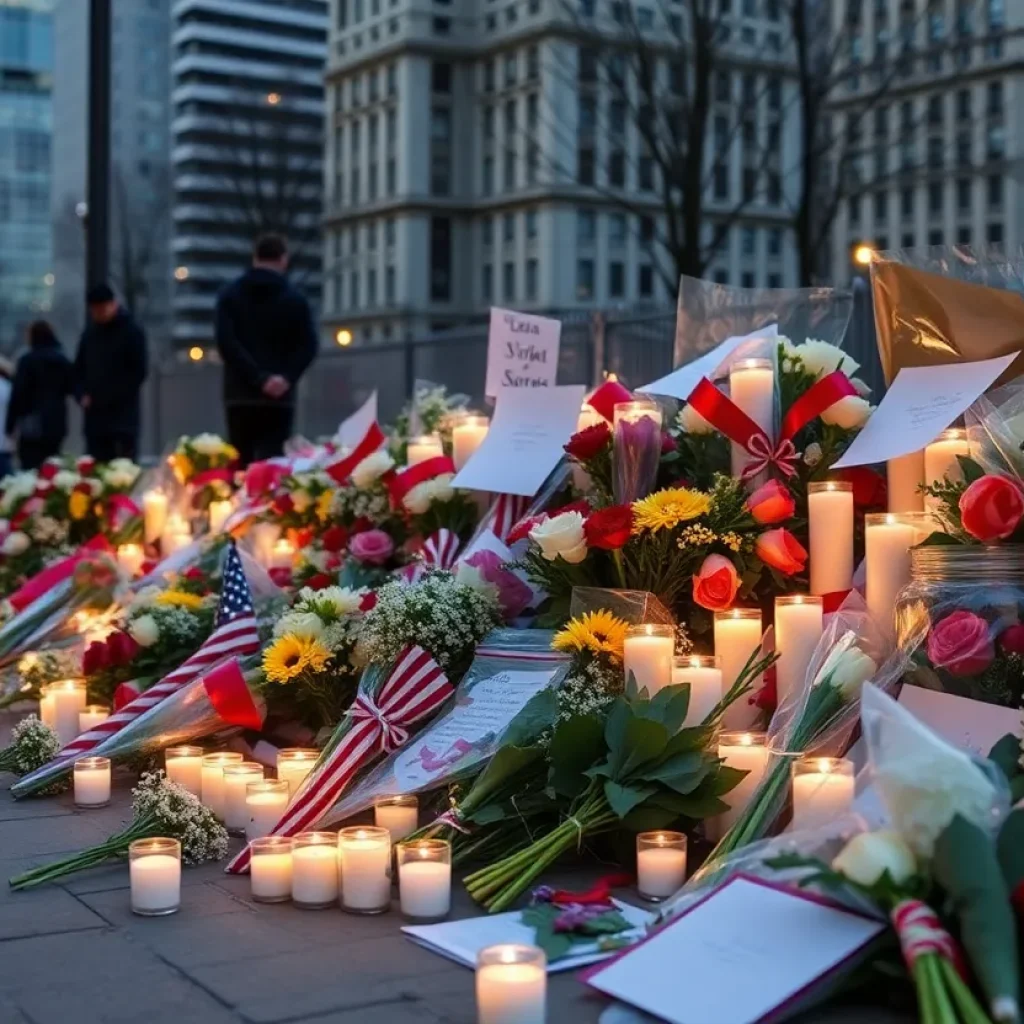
point(15, 543)
point(847, 670)
point(419, 498)
point(372, 468)
point(443, 489)
point(849, 413)
point(144, 630)
point(868, 856)
point(561, 536)
point(66, 480)
point(862, 387)
point(207, 444)
point(819, 358)
point(692, 422)
point(304, 624)
point(116, 480)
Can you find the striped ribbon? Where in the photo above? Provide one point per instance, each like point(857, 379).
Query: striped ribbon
point(508, 510)
point(415, 687)
point(439, 551)
point(921, 933)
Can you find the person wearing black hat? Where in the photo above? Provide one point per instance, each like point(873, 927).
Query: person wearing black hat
point(110, 369)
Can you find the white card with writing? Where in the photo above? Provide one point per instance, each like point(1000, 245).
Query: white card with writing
point(971, 725)
point(354, 428)
point(522, 351)
point(528, 431)
point(681, 382)
point(735, 970)
point(462, 940)
point(921, 403)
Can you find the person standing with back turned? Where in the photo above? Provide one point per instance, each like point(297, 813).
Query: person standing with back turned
point(110, 369)
point(267, 339)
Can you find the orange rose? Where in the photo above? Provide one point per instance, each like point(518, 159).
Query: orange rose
point(716, 583)
point(771, 503)
point(782, 551)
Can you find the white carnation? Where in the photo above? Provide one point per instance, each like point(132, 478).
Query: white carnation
point(419, 498)
point(341, 601)
point(144, 630)
point(372, 468)
point(66, 480)
point(207, 444)
point(819, 358)
point(303, 624)
point(118, 479)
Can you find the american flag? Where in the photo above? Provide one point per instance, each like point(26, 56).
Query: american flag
point(235, 633)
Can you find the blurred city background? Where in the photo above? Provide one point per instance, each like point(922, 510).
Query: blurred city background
point(428, 159)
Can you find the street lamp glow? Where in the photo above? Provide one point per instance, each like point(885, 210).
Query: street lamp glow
point(181, 273)
point(273, 98)
point(863, 255)
point(343, 337)
point(195, 353)
point(48, 280)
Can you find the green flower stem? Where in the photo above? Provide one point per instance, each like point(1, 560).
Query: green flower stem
point(969, 1008)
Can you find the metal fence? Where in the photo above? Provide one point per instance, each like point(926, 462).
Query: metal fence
point(185, 398)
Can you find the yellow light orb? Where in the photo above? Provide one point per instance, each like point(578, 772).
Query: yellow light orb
point(195, 353)
point(863, 255)
point(343, 337)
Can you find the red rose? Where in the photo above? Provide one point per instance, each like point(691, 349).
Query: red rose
point(870, 489)
point(48, 470)
point(281, 575)
point(43, 488)
point(590, 441)
point(767, 697)
point(320, 581)
point(781, 550)
point(991, 508)
point(582, 506)
point(95, 659)
point(1011, 640)
point(609, 528)
point(121, 648)
point(368, 601)
point(334, 539)
point(716, 583)
point(961, 644)
point(283, 504)
point(193, 573)
point(262, 477)
point(771, 503)
point(85, 464)
point(522, 529)
point(83, 487)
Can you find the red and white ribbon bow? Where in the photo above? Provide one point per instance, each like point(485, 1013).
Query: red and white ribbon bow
point(783, 457)
point(920, 932)
point(414, 689)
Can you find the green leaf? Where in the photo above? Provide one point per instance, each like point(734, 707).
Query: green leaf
point(622, 799)
point(970, 469)
point(669, 706)
point(645, 742)
point(1006, 755)
point(576, 744)
point(539, 713)
point(646, 818)
point(615, 724)
point(688, 782)
point(727, 779)
point(678, 764)
point(697, 738)
point(697, 805)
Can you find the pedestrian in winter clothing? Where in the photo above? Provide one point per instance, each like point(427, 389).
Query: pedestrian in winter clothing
point(6, 386)
point(37, 413)
point(267, 339)
point(110, 369)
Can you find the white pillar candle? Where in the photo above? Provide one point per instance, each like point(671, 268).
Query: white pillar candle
point(888, 539)
point(737, 636)
point(46, 705)
point(282, 555)
point(92, 715)
point(422, 448)
point(315, 870)
point(130, 558)
point(822, 790)
point(154, 515)
point(830, 519)
point(236, 778)
point(511, 985)
point(294, 764)
point(270, 869)
point(265, 802)
point(798, 627)
point(425, 878)
point(704, 674)
point(154, 868)
point(752, 389)
point(660, 863)
point(68, 703)
point(399, 815)
point(213, 779)
point(218, 513)
point(941, 460)
point(184, 765)
point(467, 435)
point(176, 535)
point(364, 856)
point(905, 476)
point(92, 781)
point(647, 654)
point(746, 752)
point(264, 536)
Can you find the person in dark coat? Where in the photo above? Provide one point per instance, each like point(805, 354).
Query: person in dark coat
point(110, 369)
point(267, 339)
point(37, 413)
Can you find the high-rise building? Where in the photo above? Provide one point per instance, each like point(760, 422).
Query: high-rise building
point(140, 193)
point(247, 148)
point(26, 68)
point(928, 101)
point(477, 154)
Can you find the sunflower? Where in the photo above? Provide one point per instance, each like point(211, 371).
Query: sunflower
point(665, 510)
point(179, 599)
point(598, 632)
point(291, 655)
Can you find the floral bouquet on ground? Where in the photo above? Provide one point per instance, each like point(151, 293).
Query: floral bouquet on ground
point(160, 809)
point(34, 670)
point(204, 464)
point(302, 503)
point(33, 744)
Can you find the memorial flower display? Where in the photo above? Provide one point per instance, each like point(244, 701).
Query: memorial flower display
point(204, 464)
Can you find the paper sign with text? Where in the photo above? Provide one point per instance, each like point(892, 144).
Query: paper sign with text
point(921, 403)
point(522, 351)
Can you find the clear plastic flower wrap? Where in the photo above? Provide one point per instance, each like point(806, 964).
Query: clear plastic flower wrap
point(632, 606)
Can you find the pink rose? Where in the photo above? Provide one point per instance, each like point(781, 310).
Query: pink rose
point(716, 583)
point(513, 594)
point(771, 503)
point(961, 644)
point(373, 547)
point(782, 551)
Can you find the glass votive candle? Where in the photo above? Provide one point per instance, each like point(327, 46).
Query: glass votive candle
point(154, 866)
point(92, 782)
point(265, 802)
point(236, 778)
point(400, 815)
point(294, 764)
point(427, 446)
point(270, 868)
point(213, 766)
point(703, 672)
point(315, 870)
point(660, 864)
point(511, 985)
point(91, 715)
point(822, 790)
point(425, 878)
point(364, 855)
point(647, 655)
point(66, 700)
point(184, 765)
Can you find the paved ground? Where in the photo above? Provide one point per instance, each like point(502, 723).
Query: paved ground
point(75, 954)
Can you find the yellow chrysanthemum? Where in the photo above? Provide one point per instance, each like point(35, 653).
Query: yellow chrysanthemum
point(230, 452)
point(291, 655)
point(323, 506)
point(179, 599)
point(79, 505)
point(181, 466)
point(665, 510)
point(597, 632)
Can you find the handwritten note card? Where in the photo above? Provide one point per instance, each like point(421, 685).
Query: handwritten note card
point(968, 724)
point(921, 403)
point(522, 351)
point(524, 444)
